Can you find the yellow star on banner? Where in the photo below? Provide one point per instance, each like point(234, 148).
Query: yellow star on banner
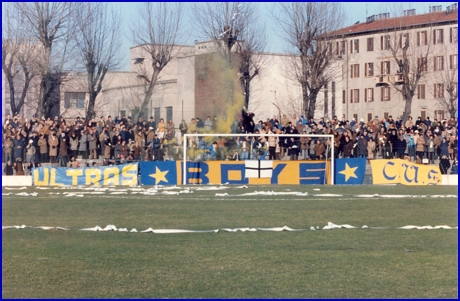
point(159, 175)
point(349, 172)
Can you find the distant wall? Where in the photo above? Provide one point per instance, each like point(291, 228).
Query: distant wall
point(450, 180)
point(16, 181)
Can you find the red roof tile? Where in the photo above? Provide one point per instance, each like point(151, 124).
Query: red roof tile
point(392, 23)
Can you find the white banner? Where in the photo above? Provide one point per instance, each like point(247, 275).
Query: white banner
point(258, 169)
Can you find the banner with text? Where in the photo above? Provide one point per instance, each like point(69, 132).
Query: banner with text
point(404, 172)
point(235, 172)
point(118, 175)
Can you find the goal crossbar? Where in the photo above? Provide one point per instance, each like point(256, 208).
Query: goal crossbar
point(186, 136)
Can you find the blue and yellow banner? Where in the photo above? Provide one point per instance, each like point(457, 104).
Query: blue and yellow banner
point(349, 171)
point(404, 172)
point(160, 172)
point(234, 172)
point(118, 175)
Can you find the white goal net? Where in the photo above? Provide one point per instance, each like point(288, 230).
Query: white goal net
point(258, 147)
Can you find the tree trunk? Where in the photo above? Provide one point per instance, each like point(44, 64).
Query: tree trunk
point(305, 99)
point(148, 93)
point(407, 109)
point(46, 101)
point(245, 85)
point(452, 108)
point(312, 105)
point(94, 87)
point(90, 112)
point(14, 108)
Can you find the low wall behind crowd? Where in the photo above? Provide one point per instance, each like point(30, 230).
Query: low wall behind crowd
point(251, 172)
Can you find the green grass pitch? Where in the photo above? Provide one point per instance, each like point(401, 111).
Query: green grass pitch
point(339, 263)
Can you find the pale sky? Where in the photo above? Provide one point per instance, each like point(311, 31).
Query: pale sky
point(355, 11)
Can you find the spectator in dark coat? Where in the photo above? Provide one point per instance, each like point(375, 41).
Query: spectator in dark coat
point(444, 148)
point(293, 148)
point(9, 169)
point(361, 147)
point(347, 147)
point(393, 140)
point(444, 164)
point(64, 149)
point(19, 144)
point(400, 147)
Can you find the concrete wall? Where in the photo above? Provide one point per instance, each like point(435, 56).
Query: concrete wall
point(16, 181)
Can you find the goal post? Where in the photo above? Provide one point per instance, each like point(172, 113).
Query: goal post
point(195, 147)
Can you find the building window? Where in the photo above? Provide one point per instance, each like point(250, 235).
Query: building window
point(422, 64)
point(453, 65)
point(354, 72)
point(344, 96)
point(385, 115)
point(385, 94)
point(369, 116)
point(354, 95)
point(156, 115)
point(421, 91)
point(438, 36)
point(370, 44)
point(404, 39)
point(354, 46)
point(369, 69)
point(342, 47)
point(369, 94)
point(422, 38)
point(438, 63)
point(439, 90)
point(452, 88)
point(454, 34)
point(439, 114)
point(385, 42)
point(74, 100)
point(355, 116)
point(385, 67)
point(169, 114)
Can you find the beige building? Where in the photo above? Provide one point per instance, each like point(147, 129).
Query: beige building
point(365, 87)
point(191, 85)
point(182, 91)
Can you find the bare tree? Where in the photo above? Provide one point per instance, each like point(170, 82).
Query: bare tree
point(309, 27)
point(157, 32)
point(238, 35)
point(98, 40)
point(17, 53)
point(445, 88)
point(450, 101)
point(410, 51)
point(51, 24)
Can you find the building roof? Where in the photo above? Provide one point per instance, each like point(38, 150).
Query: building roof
point(399, 22)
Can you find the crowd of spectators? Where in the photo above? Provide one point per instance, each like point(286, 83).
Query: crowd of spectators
point(29, 143)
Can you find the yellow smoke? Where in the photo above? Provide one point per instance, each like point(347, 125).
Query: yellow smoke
point(232, 97)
